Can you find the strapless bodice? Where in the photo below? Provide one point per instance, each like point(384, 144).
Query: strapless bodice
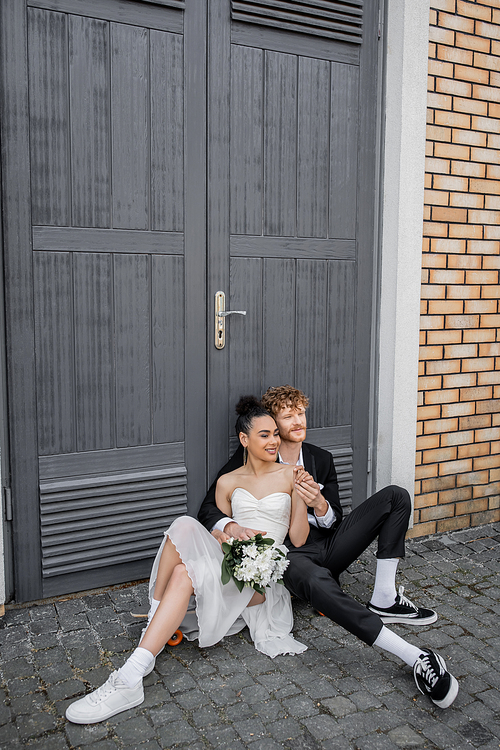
point(270, 513)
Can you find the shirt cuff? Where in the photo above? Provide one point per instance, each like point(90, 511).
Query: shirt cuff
point(222, 523)
point(327, 520)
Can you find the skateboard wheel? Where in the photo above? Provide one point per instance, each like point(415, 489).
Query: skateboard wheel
point(176, 638)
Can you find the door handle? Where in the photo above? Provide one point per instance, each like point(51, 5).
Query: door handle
point(220, 319)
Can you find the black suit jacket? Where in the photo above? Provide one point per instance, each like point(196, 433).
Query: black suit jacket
point(317, 461)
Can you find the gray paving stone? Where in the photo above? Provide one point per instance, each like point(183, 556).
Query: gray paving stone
point(404, 736)
point(21, 667)
point(375, 742)
point(250, 729)
point(176, 732)
point(222, 736)
point(78, 639)
point(44, 625)
point(269, 711)
point(55, 673)
point(85, 734)
point(239, 711)
point(476, 732)
point(337, 743)
point(155, 695)
point(154, 745)
point(35, 724)
point(204, 717)
point(192, 699)
point(54, 741)
point(66, 689)
point(22, 687)
point(266, 743)
point(117, 645)
point(9, 735)
point(101, 745)
point(339, 706)
point(165, 714)
point(84, 658)
point(254, 694)
point(44, 640)
point(300, 706)
point(304, 741)
point(365, 700)
point(320, 689)
point(96, 677)
point(5, 714)
point(135, 730)
point(323, 727)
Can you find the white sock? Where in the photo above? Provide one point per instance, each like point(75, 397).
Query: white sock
point(391, 642)
point(384, 590)
point(155, 603)
point(135, 667)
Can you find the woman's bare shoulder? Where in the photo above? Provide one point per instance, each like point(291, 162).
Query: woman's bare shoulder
point(227, 481)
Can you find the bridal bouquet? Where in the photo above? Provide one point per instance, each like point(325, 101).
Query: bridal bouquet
point(253, 562)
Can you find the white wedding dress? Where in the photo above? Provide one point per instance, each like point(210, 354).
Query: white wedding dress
point(218, 610)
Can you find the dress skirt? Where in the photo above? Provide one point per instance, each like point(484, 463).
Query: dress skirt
point(221, 610)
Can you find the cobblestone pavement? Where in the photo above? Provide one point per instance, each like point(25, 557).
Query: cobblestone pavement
point(338, 695)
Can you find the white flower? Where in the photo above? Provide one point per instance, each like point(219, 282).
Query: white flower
point(260, 565)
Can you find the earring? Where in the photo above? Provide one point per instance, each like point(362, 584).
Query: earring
point(245, 456)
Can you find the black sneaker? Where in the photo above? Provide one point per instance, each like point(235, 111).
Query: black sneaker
point(404, 611)
point(433, 679)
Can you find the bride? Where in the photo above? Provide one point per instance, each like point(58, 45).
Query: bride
point(259, 495)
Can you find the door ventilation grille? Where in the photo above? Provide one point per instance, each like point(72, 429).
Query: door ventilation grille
point(342, 458)
point(180, 4)
point(101, 520)
point(332, 20)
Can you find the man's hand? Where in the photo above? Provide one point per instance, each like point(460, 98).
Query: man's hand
point(233, 529)
point(309, 491)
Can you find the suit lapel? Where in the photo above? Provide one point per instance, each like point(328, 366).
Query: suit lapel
point(309, 462)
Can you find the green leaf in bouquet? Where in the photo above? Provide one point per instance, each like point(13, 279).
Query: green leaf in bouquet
point(259, 539)
point(239, 584)
point(225, 572)
point(226, 547)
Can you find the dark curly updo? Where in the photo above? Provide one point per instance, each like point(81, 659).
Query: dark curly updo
point(247, 409)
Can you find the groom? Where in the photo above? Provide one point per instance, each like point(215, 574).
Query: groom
point(335, 543)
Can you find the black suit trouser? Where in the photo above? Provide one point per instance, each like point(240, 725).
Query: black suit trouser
point(314, 568)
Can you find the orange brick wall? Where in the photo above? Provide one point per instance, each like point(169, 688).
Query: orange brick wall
point(458, 430)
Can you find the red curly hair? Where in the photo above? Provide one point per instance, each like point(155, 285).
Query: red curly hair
point(280, 397)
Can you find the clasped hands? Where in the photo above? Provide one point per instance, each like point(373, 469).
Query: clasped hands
point(307, 489)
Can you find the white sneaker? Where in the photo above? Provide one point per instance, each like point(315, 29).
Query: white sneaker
point(111, 698)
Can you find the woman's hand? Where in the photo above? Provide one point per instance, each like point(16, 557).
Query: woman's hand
point(236, 531)
point(221, 536)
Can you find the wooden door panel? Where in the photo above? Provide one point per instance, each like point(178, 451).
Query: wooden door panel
point(92, 298)
point(49, 131)
point(344, 150)
point(54, 352)
point(313, 147)
point(89, 72)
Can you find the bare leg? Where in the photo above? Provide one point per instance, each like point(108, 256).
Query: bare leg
point(171, 611)
point(256, 599)
point(169, 559)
